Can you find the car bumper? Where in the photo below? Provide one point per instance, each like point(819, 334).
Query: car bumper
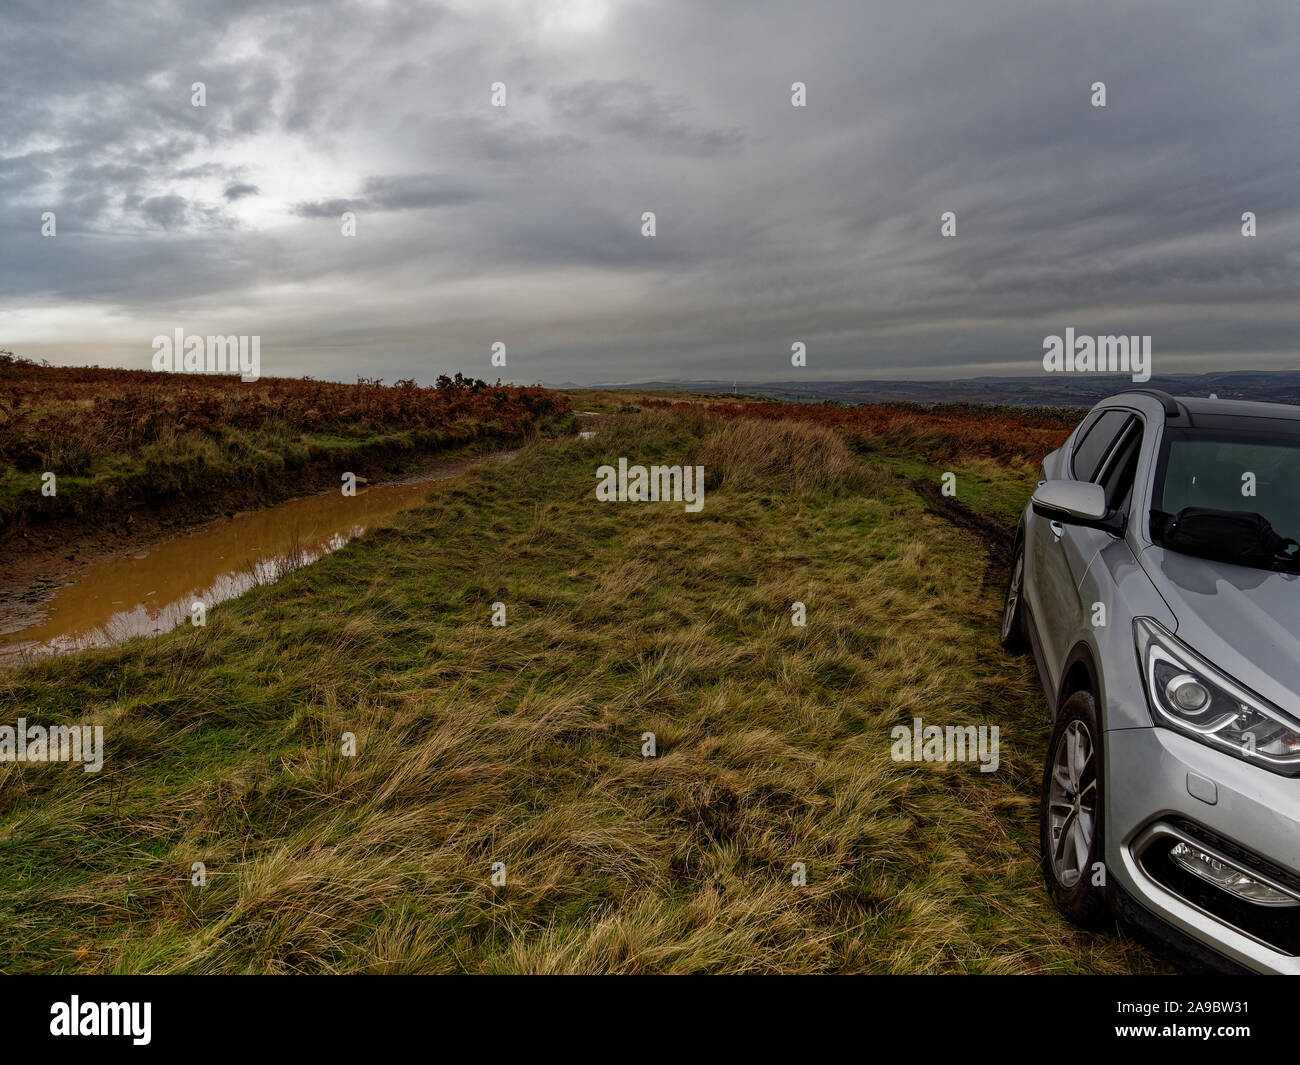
point(1163, 788)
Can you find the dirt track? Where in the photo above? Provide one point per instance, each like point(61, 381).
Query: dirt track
point(995, 536)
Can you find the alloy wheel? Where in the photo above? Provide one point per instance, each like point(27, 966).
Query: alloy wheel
point(1072, 802)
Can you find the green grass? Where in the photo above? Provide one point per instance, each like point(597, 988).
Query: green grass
point(522, 744)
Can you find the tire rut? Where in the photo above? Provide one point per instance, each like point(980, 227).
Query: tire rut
point(995, 536)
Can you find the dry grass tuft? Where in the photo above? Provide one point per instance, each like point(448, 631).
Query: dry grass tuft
point(798, 456)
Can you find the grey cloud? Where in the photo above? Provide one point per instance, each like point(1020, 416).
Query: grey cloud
point(635, 110)
point(517, 143)
point(415, 191)
point(172, 211)
point(406, 192)
point(326, 208)
point(774, 223)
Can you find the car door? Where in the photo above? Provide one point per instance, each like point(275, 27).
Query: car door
point(1057, 555)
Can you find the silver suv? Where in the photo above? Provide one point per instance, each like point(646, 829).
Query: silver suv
point(1155, 581)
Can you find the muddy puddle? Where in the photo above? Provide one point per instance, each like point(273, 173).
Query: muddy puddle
point(154, 589)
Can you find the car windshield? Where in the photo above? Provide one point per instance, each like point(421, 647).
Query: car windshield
point(1251, 470)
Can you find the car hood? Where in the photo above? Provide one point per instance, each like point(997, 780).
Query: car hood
point(1245, 621)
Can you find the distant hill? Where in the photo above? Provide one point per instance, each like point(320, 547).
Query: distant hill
point(1043, 390)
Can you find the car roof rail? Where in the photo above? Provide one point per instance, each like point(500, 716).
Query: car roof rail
point(1173, 409)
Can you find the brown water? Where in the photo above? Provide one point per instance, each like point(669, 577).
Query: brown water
point(154, 589)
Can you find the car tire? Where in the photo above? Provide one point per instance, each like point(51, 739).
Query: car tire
point(1072, 815)
point(1012, 632)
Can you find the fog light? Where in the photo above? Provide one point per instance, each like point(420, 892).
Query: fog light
point(1187, 693)
point(1227, 877)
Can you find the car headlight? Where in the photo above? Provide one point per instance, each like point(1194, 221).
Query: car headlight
point(1189, 695)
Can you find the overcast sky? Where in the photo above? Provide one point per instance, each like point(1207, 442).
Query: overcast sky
point(522, 224)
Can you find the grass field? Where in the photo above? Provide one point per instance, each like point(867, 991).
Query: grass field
point(522, 744)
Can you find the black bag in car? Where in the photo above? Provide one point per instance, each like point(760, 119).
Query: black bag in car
point(1239, 536)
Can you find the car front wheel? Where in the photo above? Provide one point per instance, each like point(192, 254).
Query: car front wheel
point(1072, 815)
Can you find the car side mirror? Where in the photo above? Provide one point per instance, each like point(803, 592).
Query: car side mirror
point(1077, 503)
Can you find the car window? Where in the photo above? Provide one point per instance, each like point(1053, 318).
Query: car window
point(1118, 474)
point(1093, 447)
point(1256, 472)
point(1084, 426)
